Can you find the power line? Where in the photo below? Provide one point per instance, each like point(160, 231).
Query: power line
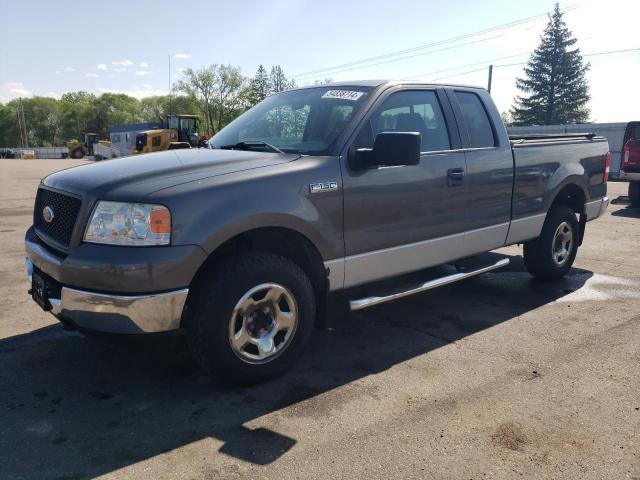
point(410, 56)
point(484, 62)
point(609, 52)
point(514, 23)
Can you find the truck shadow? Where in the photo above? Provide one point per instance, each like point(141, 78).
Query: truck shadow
point(76, 407)
point(629, 211)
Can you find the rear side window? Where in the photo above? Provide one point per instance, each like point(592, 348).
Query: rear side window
point(155, 141)
point(477, 121)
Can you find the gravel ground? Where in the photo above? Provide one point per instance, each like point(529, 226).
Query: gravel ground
point(496, 377)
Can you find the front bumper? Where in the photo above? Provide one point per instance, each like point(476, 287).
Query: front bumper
point(596, 208)
point(128, 314)
point(116, 289)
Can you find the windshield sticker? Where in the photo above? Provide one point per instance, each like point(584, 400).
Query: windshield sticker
point(343, 94)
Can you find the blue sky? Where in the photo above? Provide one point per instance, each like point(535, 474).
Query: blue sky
point(49, 47)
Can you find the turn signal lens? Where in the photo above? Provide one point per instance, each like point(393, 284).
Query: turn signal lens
point(607, 167)
point(160, 220)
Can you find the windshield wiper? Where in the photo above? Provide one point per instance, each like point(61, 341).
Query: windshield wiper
point(246, 145)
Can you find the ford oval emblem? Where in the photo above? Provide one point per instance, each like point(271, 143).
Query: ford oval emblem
point(47, 214)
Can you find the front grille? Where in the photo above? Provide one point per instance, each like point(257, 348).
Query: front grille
point(65, 212)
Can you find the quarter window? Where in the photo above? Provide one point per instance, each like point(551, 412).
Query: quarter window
point(414, 111)
point(477, 121)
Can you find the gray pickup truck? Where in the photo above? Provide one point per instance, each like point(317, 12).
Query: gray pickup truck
point(312, 192)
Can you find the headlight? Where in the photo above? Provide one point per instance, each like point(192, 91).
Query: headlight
point(137, 224)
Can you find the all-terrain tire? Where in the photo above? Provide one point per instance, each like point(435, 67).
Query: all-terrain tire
point(212, 304)
point(541, 256)
point(634, 193)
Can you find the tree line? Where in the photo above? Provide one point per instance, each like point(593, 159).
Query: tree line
point(216, 93)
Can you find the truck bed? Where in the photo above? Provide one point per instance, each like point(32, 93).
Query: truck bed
point(544, 163)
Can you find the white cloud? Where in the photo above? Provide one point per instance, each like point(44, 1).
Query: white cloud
point(144, 65)
point(102, 66)
point(11, 90)
point(124, 63)
point(91, 75)
point(69, 69)
point(119, 69)
point(142, 73)
point(135, 91)
point(182, 56)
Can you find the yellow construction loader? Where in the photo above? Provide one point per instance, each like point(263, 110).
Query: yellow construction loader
point(181, 131)
point(83, 149)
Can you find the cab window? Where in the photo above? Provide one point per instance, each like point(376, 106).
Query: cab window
point(413, 111)
point(476, 119)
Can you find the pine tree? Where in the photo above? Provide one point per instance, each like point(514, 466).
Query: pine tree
point(278, 80)
point(555, 81)
point(259, 86)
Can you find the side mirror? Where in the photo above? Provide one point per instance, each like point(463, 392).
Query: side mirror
point(391, 149)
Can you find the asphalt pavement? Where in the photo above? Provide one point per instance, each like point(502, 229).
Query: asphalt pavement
point(499, 376)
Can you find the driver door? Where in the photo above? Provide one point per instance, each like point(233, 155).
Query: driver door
point(402, 219)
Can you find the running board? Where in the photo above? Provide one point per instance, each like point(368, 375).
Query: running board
point(431, 284)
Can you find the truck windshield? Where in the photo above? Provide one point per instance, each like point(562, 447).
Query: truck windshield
point(305, 121)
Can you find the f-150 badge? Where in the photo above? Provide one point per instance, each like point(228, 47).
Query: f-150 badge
point(323, 187)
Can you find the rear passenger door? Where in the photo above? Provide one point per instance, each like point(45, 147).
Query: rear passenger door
point(489, 175)
point(401, 219)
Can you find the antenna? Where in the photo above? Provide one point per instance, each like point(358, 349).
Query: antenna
point(170, 105)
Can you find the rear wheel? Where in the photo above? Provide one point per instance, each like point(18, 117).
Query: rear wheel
point(250, 317)
point(634, 193)
point(77, 153)
point(551, 255)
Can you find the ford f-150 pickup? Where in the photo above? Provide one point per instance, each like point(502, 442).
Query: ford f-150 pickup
point(314, 191)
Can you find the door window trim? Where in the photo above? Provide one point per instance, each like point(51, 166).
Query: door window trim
point(455, 139)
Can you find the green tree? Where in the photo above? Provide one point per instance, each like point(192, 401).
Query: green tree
point(114, 109)
point(201, 85)
point(221, 91)
point(43, 119)
point(77, 114)
point(230, 100)
point(278, 81)
point(9, 134)
point(556, 87)
point(259, 86)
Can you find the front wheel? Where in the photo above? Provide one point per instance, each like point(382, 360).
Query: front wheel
point(551, 255)
point(250, 317)
point(634, 193)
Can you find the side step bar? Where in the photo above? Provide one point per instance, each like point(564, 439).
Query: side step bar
point(431, 284)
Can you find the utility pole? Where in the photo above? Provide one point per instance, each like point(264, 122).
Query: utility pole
point(22, 126)
point(170, 106)
point(490, 78)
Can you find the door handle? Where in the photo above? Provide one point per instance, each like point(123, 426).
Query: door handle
point(455, 173)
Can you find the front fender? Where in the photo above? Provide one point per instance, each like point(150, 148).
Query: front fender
point(209, 213)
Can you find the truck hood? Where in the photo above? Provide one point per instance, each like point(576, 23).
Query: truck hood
point(137, 176)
